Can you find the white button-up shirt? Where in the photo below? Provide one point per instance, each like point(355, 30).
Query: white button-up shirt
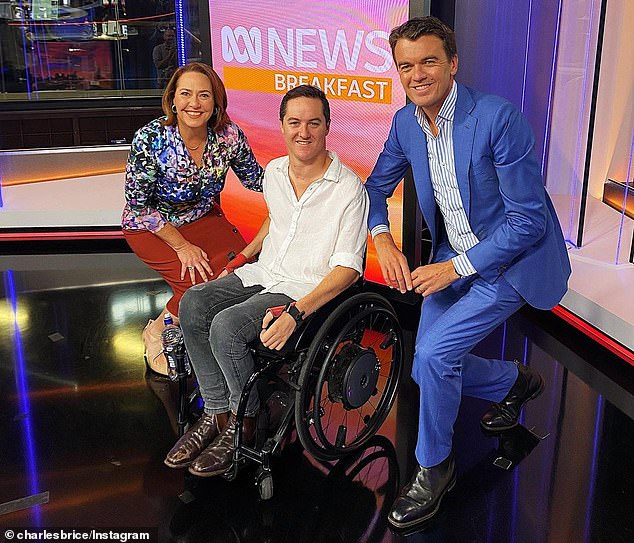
point(309, 237)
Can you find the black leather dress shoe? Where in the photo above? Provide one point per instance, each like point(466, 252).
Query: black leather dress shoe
point(505, 415)
point(420, 500)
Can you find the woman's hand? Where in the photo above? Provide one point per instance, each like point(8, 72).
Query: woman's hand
point(193, 259)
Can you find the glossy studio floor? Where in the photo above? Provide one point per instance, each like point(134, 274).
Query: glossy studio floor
point(83, 432)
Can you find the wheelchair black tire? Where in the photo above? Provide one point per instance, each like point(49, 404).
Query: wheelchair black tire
point(345, 325)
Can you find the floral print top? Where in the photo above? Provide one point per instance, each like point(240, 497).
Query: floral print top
point(163, 183)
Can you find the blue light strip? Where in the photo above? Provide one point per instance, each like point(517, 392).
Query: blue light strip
point(526, 49)
point(24, 50)
point(593, 469)
point(179, 8)
point(580, 131)
point(524, 362)
point(515, 503)
point(22, 392)
point(626, 192)
point(516, 472)
point(38, 59)
point(551, 90)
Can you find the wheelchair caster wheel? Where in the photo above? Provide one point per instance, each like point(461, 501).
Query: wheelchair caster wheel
point(264, 480)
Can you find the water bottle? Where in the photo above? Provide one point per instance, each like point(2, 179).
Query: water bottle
point(186, 363)
point(173, 345)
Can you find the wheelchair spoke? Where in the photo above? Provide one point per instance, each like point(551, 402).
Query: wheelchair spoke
point(372, 405)
point(359, 420)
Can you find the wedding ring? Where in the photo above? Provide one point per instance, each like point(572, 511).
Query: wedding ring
point(190, 267)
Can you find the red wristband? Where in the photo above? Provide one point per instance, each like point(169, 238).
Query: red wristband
point(276, 311)
point(239, 260)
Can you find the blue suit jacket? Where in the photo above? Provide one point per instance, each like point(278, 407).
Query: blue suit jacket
point(502, 193)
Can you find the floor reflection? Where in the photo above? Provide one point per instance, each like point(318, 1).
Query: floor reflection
point(81, 421)
point(313, 502)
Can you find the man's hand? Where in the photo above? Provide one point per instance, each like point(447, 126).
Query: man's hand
point(433, 277)
point(393, 263)
point(275, 336)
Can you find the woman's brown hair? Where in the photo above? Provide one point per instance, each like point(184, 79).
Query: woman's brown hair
point(220, 118)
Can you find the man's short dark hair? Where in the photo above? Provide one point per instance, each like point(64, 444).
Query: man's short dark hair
point(423, 26)
point(306, 91)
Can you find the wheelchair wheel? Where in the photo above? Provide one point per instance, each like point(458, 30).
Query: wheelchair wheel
point(349, 379)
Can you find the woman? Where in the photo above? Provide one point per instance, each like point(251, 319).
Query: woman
point(175, 172)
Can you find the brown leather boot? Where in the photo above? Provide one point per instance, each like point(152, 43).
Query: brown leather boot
point(194, 441)
point(217, 458)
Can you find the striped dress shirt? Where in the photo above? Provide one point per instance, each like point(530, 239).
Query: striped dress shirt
point(442, 170)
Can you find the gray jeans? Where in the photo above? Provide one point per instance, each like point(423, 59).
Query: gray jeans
point(219, 319)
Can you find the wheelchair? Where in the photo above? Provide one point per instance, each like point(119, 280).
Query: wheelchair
point(337, 376)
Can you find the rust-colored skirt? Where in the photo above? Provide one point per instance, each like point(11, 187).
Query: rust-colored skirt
point(213, 233)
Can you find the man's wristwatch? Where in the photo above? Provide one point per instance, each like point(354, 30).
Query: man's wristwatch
point(297, 315)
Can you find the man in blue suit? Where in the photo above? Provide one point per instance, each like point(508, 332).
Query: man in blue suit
point(497, 245)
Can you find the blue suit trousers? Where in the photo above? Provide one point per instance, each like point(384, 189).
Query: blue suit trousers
point(452, 322)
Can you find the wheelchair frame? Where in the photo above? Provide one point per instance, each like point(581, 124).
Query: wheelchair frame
point(335, 356)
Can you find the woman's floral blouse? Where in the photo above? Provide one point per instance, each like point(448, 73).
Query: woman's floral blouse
point(163, 183)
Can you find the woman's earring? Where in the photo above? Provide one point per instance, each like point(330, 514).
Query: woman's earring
point(216, 111)
point(173, 108)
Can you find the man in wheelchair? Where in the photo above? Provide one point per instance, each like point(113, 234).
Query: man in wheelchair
point(311, 248)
